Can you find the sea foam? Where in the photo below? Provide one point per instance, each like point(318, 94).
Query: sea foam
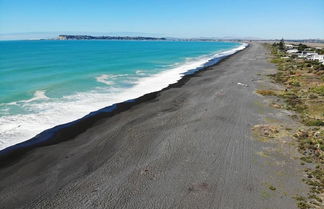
point(104, 79)
point(51, 112)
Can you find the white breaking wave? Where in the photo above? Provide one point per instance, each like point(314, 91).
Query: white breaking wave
point(51, 112)
point(140, 72)
point(104, 79)
point(38, 95)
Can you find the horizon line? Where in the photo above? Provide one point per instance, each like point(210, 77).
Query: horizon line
point(53, 35)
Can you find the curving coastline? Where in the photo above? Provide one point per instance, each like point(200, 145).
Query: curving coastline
point(71, 129)
point(23, 119)
point(187, 146)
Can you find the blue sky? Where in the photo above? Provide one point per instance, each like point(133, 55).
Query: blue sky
point(177, 18)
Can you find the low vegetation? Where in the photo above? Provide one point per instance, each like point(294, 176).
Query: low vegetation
point(303, 82)
point(267, 92)
point(304, 85)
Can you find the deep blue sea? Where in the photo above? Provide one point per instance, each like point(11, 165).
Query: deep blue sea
point(46, 83)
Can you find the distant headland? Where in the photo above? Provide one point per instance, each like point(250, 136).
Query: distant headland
point(87, 37)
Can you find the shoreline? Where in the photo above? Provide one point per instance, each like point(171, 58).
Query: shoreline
point(66, 131)
point(191, 146)
point(24, 117)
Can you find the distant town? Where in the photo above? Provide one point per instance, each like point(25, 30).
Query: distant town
point(144, 38)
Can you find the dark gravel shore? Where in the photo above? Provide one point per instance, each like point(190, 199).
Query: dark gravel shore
point(189, 146)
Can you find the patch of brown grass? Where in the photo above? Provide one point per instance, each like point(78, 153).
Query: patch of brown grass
point(266, 130)
point(266, 92)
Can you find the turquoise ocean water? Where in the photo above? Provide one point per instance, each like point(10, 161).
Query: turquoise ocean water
point(46, 83)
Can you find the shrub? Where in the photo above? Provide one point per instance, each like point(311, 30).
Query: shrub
point(313, 122)
point(295, 83)
point(319, 90)
point(312, 96)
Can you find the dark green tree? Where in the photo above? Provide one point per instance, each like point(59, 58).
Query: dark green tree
point(301, 47)
point(281, 45)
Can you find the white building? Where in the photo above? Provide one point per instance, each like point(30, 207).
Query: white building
point(306, 54)
point(310, 55)
point(289, 46)
point(318, 57)
point(291, 51)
